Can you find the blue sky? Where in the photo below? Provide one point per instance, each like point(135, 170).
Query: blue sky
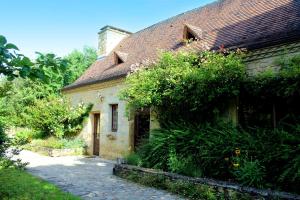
point(59, 26)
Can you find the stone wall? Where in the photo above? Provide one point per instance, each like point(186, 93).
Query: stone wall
point(112, 144)
point(196, 188)
point(264, 59)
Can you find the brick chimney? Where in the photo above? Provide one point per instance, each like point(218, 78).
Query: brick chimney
point(108, 38)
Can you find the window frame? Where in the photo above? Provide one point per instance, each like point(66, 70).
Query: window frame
point(118, 59)
point(114, 117)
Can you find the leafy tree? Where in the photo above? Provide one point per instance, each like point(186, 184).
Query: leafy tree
point(13, 64)
point(37, 103)
point(50, 70)
point(16, 96)
point(55, 116)
point(78, 62)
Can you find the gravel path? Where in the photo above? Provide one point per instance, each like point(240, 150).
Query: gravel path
point(89, 178)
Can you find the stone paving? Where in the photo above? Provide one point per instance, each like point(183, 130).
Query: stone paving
point(89, 178)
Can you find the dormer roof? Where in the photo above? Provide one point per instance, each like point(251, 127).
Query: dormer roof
point(194, 30)
point(123, 56)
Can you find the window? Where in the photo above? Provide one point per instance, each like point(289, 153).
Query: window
point(118, 59)
point(114, 117)
point(189, 36)
point(192, 33)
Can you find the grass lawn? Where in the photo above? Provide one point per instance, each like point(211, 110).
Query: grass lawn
point(18, 184)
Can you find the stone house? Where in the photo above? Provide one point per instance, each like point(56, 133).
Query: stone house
point(267, 28)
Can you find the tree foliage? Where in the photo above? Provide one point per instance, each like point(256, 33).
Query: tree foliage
point(78, 62)
point(186, 86)
point(12, 63)
point(33, 100)
point(50, 70)
point(53, 116)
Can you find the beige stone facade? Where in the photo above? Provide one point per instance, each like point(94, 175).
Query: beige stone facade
point(102, 96)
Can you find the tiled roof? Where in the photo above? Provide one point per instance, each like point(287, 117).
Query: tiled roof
point(233, 23)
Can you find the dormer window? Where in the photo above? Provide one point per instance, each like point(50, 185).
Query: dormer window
point(191, 33)
point(120, 57)
point(118, 60)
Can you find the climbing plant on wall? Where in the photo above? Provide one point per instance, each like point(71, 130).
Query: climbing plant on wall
point(187, 86)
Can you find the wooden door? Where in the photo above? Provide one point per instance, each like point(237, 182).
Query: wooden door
point(142, 127)
point(96, 134)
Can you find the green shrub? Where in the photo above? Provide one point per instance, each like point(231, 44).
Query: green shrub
point(206, 79)
point(51, 142)
point(55, 117)
point(191, 94)
point(72, 143)
point(3, 141)
point(133, 159)
point(6, 160)
point(250, 173)
point(55, 143)
point(226, 152)
point(25, 136)
point(183, 165)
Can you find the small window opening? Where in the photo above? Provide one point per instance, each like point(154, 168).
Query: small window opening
point(190, 36)
point(118, 60)
point(191, 33)
point(114, 117)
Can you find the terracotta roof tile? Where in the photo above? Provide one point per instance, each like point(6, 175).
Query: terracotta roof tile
point(232, 23)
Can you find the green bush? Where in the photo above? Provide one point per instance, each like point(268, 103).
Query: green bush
point(226, 152)
point(55, 143)
point(191, 95)
point(250, 173)
point(73, 143)
point(25, 136)
point(206, 79)
point(6, 160)
point(133, 159)
point(3, 141)
point(54, 116)
point(183, 165)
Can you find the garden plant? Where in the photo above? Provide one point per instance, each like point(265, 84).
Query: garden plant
point(192, 95)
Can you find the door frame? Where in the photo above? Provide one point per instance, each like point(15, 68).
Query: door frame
point(94, 137)
point(137, 117)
